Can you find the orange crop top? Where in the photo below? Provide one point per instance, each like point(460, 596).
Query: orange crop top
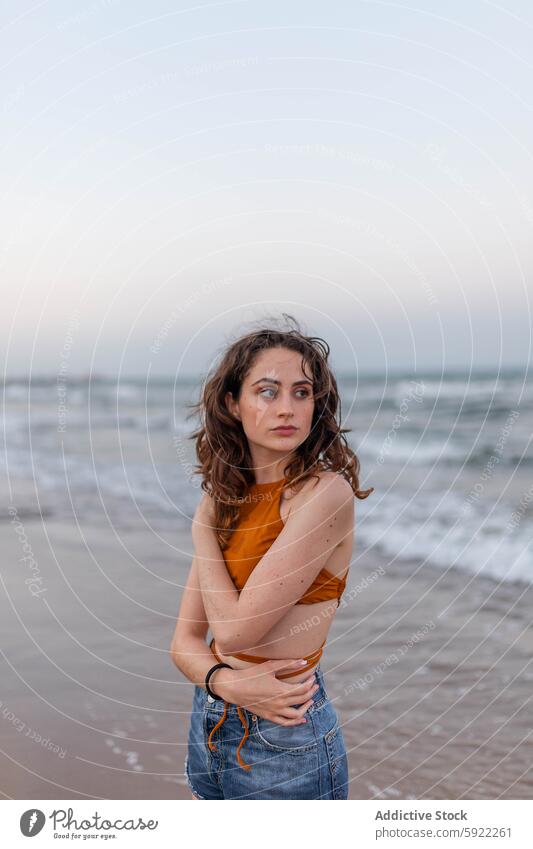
point(259, 525)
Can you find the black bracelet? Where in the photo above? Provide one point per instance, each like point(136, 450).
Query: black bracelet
point(208, 676)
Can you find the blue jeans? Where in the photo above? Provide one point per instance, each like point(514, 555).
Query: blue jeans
point(306, 761)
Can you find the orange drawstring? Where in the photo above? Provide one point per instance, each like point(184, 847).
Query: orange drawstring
point(312, 659)
point(243, 741)
point(244, 737)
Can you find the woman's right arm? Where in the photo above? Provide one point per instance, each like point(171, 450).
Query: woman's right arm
point(256, 689)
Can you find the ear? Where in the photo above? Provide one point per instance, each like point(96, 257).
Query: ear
point(232, 405)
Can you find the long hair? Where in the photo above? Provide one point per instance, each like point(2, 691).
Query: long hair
point(225, 462)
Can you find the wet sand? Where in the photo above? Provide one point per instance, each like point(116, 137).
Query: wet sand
point(430, 671)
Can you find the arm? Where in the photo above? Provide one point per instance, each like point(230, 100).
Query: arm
point(284, 573)
point(189, 650)
point(257, 690)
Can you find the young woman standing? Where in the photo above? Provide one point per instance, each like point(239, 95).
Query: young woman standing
point(273, 537)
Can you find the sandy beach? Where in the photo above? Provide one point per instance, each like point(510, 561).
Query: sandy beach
point(429, 670)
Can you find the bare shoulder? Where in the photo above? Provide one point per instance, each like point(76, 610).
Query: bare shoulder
point(336, 481)
point(335, 489)
point(332, 490)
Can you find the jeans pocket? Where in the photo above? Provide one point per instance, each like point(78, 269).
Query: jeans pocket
point(293, 739)
point(338, 762)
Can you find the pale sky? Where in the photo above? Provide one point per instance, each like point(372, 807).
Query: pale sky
point(171, 173)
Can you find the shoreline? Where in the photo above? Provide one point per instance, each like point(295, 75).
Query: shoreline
point(429, 672)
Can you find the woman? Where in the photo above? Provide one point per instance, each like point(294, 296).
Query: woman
point(273, 537)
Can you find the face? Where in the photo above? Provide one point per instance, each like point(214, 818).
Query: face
point(275, 393)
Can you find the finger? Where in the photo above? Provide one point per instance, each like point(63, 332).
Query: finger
point(284, 663)
point(299, 686)
point(299, 719)
point(295, 713)
point(301, 690)
point(281, 720)
point(296, 697)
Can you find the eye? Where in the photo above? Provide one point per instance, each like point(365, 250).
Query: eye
point(306, 393)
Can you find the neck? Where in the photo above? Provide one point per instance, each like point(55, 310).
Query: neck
point(266, 469)
point(271, 478)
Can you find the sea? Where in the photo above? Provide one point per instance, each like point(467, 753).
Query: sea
point(448, 454)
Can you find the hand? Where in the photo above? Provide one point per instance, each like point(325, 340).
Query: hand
point(258, 690)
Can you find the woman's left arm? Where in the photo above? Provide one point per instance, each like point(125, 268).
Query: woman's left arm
point(284, 573)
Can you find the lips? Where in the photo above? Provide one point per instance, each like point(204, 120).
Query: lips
point(284, 429)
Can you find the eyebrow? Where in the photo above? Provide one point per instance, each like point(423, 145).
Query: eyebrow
point(278, 382)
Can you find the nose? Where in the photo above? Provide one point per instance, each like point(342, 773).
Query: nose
point(285, 406)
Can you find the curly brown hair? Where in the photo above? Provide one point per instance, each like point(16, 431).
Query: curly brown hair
point(222, 447)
